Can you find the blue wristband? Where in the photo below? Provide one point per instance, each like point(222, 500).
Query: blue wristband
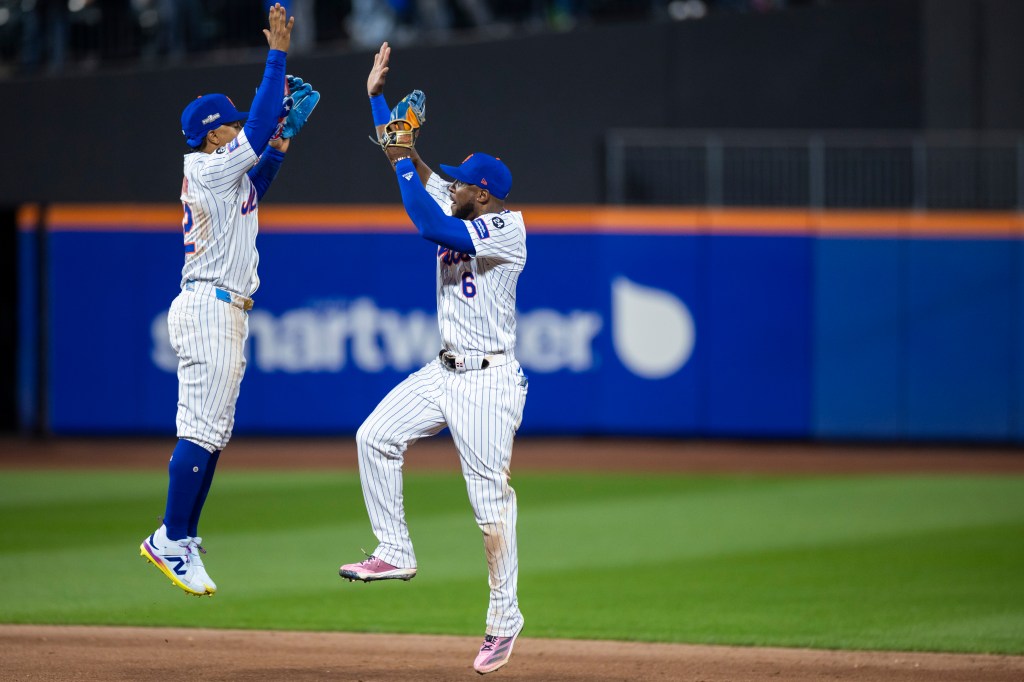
point(381, 112)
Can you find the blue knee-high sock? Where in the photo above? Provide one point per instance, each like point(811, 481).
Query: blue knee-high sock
point(186, 472)
point(204, 490)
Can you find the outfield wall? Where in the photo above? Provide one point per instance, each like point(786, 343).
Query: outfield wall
point(724, 323)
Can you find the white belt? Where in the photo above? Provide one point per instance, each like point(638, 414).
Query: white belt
point(464, 363)
point(231, 297)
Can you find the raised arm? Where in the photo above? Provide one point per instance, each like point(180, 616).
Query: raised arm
point(382, 114)
point(266, 106)
point(433, 224)
point(375, 88)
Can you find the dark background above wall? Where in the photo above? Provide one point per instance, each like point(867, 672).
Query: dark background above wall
point(542, 102)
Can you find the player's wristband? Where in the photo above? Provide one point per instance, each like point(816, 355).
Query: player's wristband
point(381, 112)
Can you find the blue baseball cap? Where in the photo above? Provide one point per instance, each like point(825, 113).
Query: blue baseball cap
point(207, 113)
point(484, 171)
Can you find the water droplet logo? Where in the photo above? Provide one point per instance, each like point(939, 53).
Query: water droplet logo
point(653, 330)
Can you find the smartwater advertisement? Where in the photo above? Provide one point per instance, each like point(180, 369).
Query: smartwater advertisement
point(658, 327)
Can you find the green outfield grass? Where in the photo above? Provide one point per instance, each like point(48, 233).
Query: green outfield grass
point(931, 563)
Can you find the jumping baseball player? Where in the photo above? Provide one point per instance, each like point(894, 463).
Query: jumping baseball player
point(234, 157)
point(475, 386)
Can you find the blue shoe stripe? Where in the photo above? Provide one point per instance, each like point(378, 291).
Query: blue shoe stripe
point(180, 568)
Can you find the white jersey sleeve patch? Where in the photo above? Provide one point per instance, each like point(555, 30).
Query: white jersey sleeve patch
point(499, 235)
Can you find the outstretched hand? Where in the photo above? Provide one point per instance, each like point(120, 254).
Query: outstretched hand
point(279, 36)
point(375, 81)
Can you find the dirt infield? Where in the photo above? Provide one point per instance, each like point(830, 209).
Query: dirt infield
point(119, 653)
point(113, 653)
point(532, 454)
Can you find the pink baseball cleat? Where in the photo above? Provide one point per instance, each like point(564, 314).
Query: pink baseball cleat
point(375, 569)
point(494, 653)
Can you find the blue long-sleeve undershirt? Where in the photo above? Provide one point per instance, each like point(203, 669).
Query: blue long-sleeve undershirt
point(266, 105)
point(264, 172)
point(380, 111)
point(433, 224)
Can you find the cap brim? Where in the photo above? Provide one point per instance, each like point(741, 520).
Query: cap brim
point(458, 174)
point(238, 116)
point(453, 171)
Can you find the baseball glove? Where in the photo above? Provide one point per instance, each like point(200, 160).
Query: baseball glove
point(407, 118)
point(287, 102)
point(304, 100)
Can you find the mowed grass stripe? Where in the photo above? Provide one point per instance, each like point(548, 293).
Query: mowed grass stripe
point(902, 562)
point(899, 593)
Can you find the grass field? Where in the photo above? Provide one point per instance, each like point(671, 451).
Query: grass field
point(907, 562)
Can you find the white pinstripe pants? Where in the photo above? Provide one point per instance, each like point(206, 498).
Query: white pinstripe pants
point(483, 410)
point(209, 337)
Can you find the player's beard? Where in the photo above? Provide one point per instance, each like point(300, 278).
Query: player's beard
point(464, 212)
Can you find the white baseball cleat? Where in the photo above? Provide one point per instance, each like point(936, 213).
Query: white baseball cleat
point(174, 559)
point(195, 546)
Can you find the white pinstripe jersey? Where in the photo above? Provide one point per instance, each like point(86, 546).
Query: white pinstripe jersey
point(220, 222)
point(476, 295)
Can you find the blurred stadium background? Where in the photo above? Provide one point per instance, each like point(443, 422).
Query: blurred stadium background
point(748, 220)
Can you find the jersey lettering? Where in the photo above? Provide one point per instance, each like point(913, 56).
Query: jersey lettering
point(186, 226)
point(468, 285)
point(249, 204)
point(449, 257)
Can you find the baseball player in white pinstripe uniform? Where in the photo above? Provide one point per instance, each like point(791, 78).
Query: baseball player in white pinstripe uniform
point(234, 157)
point(475, 386)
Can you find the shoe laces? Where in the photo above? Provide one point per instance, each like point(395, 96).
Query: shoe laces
point(489, 642)
point(194, 549)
